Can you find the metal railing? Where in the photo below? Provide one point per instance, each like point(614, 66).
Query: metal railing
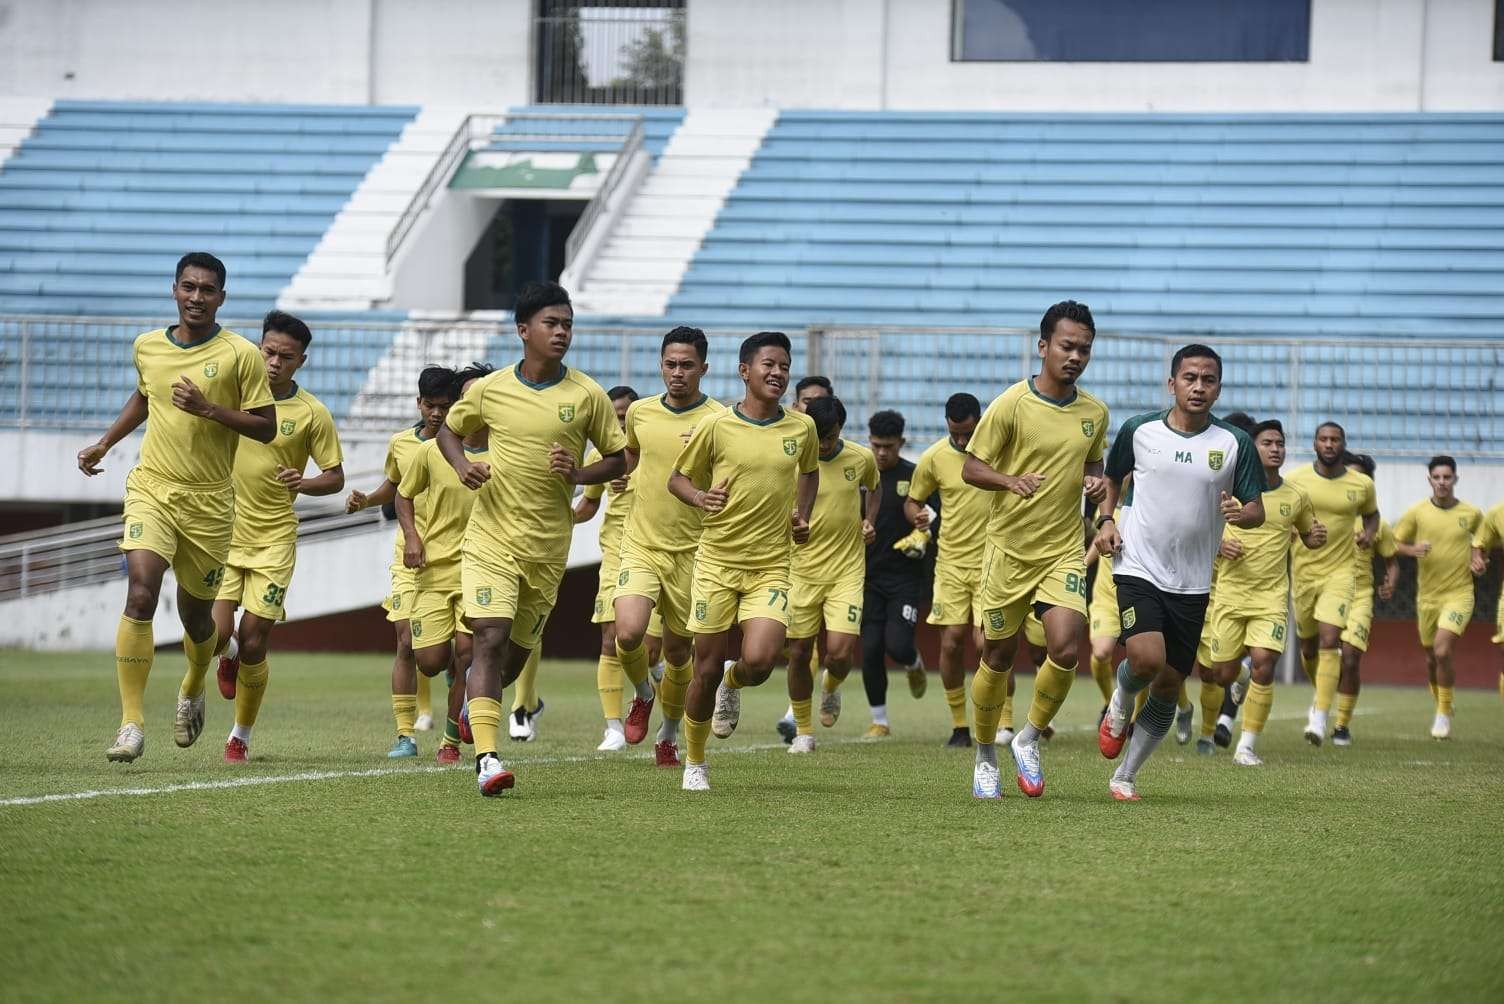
point(610, 53)
point(475, 128)
point(610, 194)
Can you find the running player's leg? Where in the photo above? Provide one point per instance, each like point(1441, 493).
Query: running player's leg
point(449, 746)
point(953, 679)
point(251, 676)
point(699, 704)
point(199, 642)
point(1439, 665)
point(875, 658)
point(404, 688)
point(839, 650)
point(1257, 705)
point(678, 671)
point(632, 615)
point(1331, 607)
point(134, 649)
point(224, 629)
point(801, 685)
point(608, 685)
point(898, 637)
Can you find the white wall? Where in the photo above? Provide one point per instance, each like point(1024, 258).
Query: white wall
point(429, 272)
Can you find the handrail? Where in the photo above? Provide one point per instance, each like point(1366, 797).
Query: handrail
point(605, 193)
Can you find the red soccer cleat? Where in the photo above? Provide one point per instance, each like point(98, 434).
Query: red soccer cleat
point(1109, 744)
point(466, 736)
point(228, 670)
point(448, 756)
point(666, 754)
point(236, 751)
point(636, 725)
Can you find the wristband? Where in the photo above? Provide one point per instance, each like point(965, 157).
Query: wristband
point(1104, 519)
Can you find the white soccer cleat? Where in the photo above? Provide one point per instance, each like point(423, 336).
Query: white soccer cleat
point(1245, 757)
point(1441, 727)
point(520, 726)
point(492, 776)
point(728, 711)
point(1315, 727)
point(802, 744)
point(614, 742)
point(986, 782)
point(130, 743)
point(830, 702)
point(188, 722)
point(424, 723)
point(1122, 791)
point(696, 777)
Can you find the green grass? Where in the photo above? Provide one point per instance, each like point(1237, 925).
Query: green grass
point(863, 872)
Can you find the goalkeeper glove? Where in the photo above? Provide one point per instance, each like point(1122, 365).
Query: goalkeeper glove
point(914, 545)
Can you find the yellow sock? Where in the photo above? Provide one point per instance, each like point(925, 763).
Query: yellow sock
point(830, 682)
point(1345, 705)
point(425, 696)
point(1107, 680)
point(1182, 699)
point(1432, 685)
point(1328, 669)
point(634, 663)
point(1444, 700)
point(526, 697)
point(672, 688)
point(1211, 707)
point(732, 683)
point(804, 725)
point(1139, 701)
point(200, 654)
point(989, 691)
point(956, 698)
point(608, 685)
point(1005, 717)
point(1051, 683)
point(405, 711)
point(133, 655)
point(485, 723)
point(1309, 665)
point(1256, 707)
point(250, 688)
point(695, 735)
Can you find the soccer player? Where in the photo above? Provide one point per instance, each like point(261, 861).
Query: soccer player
point(1490, 534)
point(829, 572)
point(1438, 533)
point(1250, 610)
point(809, 388)
point(748, 469)
point(542, 416)
point(1103, 621)
point(1346, 504)
point(263, 543)
point(199, 388)
point(1038, 449)
point(895, 576)
point(956, 606)
point(659, 540)
point(1360, 613)
point(435, 396)
point(1191, 473)
point(440, 638)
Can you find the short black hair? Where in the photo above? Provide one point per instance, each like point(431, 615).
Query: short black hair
point(201, 259)
point(472, 372)
point(960, 407)
point(1242, 420)
point(886, 423)
point(436, 382)
point(1362, 461)
point(1195, 351)
point(1441, 460)
point(292, 327)
point(1267, 425)
point(685, 335)
point(762, 340)
point(620, 391)
point(1332, 425)
point(828, 413)
point(537, 295)
point(814, 381)
point(1066, 310)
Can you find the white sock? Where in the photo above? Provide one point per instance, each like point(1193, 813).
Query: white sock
point(1247, 739)
point(788, 715)
point(668, 730)
point(655, 672)
point(644, 690)
point(879, 714)
point(1225, 721)
point(613, 725)
point(242, 732)
point(233, 649)
point(1121, 706)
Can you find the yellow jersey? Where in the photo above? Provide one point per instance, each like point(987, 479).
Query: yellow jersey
point(1025, 432)
point(1383, 546)
point(263, 506)
point(523, 511)
point(1260, 578)
point(183, 449)
point(964, 510)
point(1340, 504)
point(400, 451)
point(657, 432)
point(446, 504)
point(617, 505)
point(1445, 570)
point(836, 549)
point(1491, 530)
point(762, 462)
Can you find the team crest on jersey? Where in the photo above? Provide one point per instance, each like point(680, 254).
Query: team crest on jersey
point(135, 531)
point(1130, 618)
point(1462, 522)
point(566, 413)
point(995, 618)
point(483, 596)
point(902, 488)
point(417, 627)
point(1214, 459)
point(938, 609)
point(850, 474)
point(1352, 495)
point(287, 426)
point(621, 580)
point(791, 447)
point(1088, 427)
point(211, 370)
point(1284, 508)
point(702, 610)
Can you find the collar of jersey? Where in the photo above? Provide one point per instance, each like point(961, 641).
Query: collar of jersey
point(840, 445)
point(418, 433)
point(952, 444)
point(1059, 403)
point(477, 449)
point(1165, 418)
point(736, 409)
point(1447, 508)
point(1328, 477)
point(190, 345)
point(290, 394)
point(688, 407)
point(540, 386)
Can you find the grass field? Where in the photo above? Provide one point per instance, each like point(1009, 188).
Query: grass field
point(863, 872)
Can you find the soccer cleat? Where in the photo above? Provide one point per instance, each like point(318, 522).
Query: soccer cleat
point(1222, 735)
point(696, 777)
point(1245, 757)
point(1112, 733)
point(448, 756)
point(1441, 727)
point(1004, 736)
point(986, 782)
point(226, 674)
point(189, 720)
point(1183, 718)
point(236, 751)
point(638, 715)
point(918, 681)
point(466, 736)
point(1342, 736)
point(786, 728)
point(802, 744)
point(666, 754)
point(1205, 747)
point(520, 726)
point(424, 723)
point(612, 742)
point(830, 706)
point(728, 711)
point(1315, 727)
point(130, 743)
point(1030, 769)
point(492, 775)
point(959, 737)
point(404, 747)
point(1123, 791)
point(876, 731)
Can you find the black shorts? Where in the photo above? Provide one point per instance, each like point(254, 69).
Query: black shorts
point(1147, 609)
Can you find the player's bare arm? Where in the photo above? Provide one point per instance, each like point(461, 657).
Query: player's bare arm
point(471, 474)
point(358, 500)
point(1109, 542)
point(413, 555)
point(1247, 515)
point(871, 503)
point(1094, 481)
point(980, 474)
point(711, 500)
point(259, 424)
point(127, 422)
point(809, 485)
point(1370, 530)
point(610, 467)
point(327, 482)
point(1478, 564)
point(585, 509)
point(1315, 537)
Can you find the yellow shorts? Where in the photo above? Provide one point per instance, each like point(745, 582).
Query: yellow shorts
point(957, 596)
point(399, 602)
point(1106, 620)
point(1232, 629)
point(838, 605)
point(1011, 587)
point(605, 588)
point(721, 596)
point(191, 529)
point(1322, 601)
point(1034, 630)
point(1359, 619)
point(1498, 638)
point(257, 578)
point(501, 587)
point(666, 578)
point(1443, 613)
point(437, 614)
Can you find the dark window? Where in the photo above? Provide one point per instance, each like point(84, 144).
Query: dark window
point(1132, 31)
point(1499, 31)
point(610, 52)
